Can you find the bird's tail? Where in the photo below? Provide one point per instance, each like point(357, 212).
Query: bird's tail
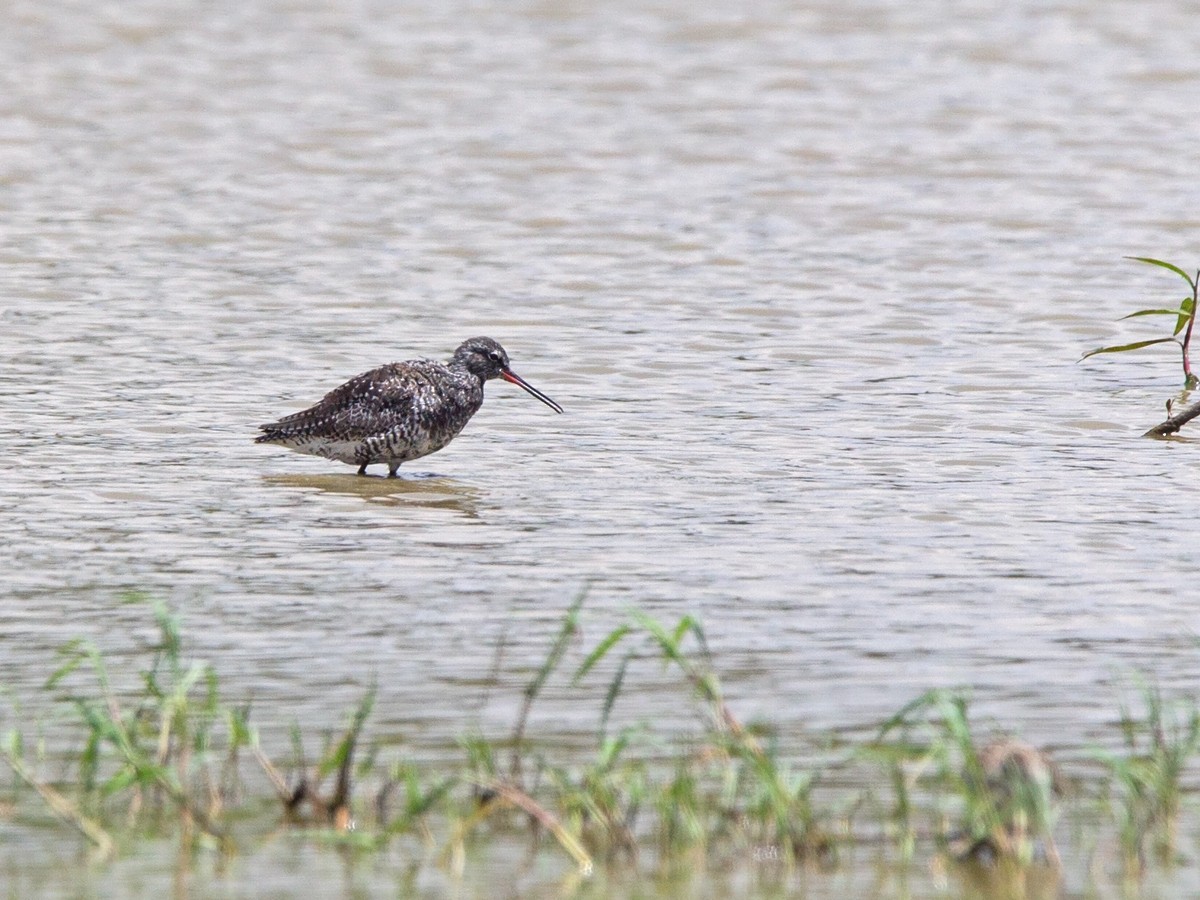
point(270, 434)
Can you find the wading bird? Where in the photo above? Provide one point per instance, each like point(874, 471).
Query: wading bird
point(400, 411)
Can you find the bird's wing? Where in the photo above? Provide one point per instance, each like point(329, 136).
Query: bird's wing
point(364, 405)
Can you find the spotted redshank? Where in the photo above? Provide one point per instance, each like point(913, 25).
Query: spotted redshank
point(398, 412)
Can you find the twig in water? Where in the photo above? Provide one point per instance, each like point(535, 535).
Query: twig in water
point(1175, 422)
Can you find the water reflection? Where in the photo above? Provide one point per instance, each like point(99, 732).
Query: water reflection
point(427, 491)
point(1006, 880)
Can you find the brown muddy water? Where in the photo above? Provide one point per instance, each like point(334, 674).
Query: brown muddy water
point(810, 279)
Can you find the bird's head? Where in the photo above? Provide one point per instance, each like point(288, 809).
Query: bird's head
point(485, 359)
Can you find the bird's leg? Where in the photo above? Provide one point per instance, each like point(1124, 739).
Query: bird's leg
point(392, 467)
point(362, 470)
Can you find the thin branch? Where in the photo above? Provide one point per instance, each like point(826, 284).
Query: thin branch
point(1175, 422)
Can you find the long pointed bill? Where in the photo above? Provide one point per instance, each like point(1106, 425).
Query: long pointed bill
point(513, 378)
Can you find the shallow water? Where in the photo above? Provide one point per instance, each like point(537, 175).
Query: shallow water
point(810, 280)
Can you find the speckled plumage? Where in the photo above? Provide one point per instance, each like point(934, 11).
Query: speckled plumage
point(398, 412)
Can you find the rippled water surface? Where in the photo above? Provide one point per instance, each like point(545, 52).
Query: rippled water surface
point(810, 279)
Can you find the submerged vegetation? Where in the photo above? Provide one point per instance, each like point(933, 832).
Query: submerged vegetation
point(176, 759)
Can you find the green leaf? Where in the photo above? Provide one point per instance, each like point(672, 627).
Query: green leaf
point(1166, 265)
point(1186, 310)
point(1136, 345)
point(75, 658)
point(666, 643)
point(1156, 312)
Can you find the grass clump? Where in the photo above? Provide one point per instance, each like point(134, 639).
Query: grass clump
point(165, 759)
point(995, 799)
point(172, 752)
point(1145, 786)
point(730, 785)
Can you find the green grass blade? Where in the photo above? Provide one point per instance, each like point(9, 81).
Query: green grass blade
point(76, 653)
point(1159, 312)
point(610, 641)
point(570, 627)
point(688, 624)
point(418, 803)
point(1136, 345)
point(1166, 265)
point(120, 781)
point(903, 716)
point(169, 629)
point(341, 752)
point(656, 630)
point(237, 723)
point(14, 744)
point(614, 690)
point(667, 643)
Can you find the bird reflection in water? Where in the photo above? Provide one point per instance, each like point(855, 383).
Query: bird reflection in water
point(428, 492)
